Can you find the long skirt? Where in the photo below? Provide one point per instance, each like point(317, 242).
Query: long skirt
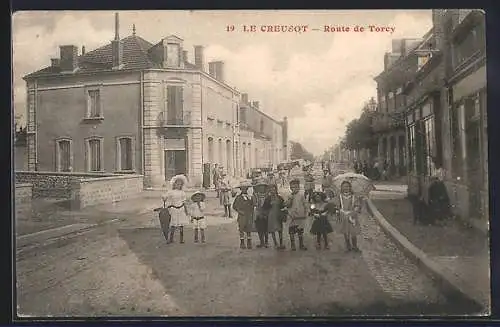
point(274, 222)
point(226, 198)
point(349, 227)
point(245, 223)
point(321, 226)
point(179, 217)
point(261, 224)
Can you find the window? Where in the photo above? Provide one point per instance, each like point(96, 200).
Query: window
point(173, 55)
point(456, 142)
point(411, 148)
point(430, 146)
point(261, 125)
point(94, 105)
point(175, 114)
point(125, 154)
point(243, 117)
point(64, 156)
point(94, 154)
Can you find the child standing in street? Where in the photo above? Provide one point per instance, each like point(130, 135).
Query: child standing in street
point(198, 219)
point(297, 213)
point(243, 205)
point(225, 193)
point(349, 208)
point(321, 226)
point(175, 200)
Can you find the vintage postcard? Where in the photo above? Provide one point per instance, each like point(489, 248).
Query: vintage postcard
point(251, 163)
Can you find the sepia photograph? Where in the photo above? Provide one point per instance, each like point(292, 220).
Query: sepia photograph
point(250, 163)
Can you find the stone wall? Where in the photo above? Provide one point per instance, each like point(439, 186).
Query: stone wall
point(92, 191)
point(52, 184)
point(23, 193)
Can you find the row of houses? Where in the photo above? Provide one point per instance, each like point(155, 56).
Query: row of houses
point(432, 109)
point(132, 106)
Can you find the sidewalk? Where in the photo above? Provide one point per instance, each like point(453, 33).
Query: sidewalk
point(458, 254)
point(50, 217)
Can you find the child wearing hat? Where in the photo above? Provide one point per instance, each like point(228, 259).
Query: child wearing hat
point(297, 213)
point(321, 226)
point(243, 205)
point(175, 200)
point(198, 219)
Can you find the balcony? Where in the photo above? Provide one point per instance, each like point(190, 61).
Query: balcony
point(181, 120)
point(388, 121)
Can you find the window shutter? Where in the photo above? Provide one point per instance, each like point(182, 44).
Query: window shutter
point(180, 105)
point(170, 104)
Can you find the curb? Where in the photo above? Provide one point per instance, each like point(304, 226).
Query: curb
point(450, 284)
point(48, 234)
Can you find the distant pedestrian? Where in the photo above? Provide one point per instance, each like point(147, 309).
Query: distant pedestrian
point(309, 185)
point(349, 207)
point(298, 210)
point(225, 195)
point(274, 208)
point(321, 227)
point(261, 218)
point(364, 168)
point(175, 200)
point(271, 179)
point(243, 205)
point(282, 176)
point(327, 181)
point(197, 211)
point(439, 208)
point(216, 178)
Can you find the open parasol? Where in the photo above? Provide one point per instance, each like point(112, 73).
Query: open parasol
point(361, 184)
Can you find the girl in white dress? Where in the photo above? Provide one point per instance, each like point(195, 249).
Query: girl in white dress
point(176, 203)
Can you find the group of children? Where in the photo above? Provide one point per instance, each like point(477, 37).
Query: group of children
point(266, 213)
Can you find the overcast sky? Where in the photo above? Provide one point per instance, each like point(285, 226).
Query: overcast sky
point(319, 80)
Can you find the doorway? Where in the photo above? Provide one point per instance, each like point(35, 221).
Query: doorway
point(474, 171)
point(175, 163)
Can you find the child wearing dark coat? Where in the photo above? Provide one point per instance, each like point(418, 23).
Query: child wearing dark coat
point(321, 227)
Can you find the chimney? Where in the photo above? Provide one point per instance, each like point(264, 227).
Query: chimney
point(284, 131)
point(116, 45)
point(69, 57)
point(211, 69)
point(55, 62)
point(438, 27)
point(219, 70)
point(244, 97)
point(184, 56)
point(198, 57)
point(83, 50)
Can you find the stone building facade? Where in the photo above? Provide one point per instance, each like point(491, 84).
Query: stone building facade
point(388, 121)
point(132, 106)
point(446, 112)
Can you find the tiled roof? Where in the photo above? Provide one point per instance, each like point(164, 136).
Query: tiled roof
point(135, 56)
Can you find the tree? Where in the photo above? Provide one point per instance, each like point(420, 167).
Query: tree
point(359, 132)
point(299, 152)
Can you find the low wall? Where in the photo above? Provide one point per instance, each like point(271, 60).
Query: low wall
point(52, 184)
point(92, 191)
point(23, 193)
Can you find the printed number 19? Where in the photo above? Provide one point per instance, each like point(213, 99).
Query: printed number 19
point(230, 28)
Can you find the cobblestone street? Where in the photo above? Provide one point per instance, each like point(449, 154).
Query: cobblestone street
point(125, 268)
